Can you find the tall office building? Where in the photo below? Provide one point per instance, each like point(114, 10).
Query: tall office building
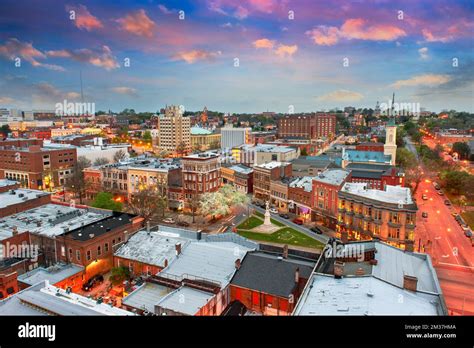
point(174, 131)
point(312, 126)
point(232, 137)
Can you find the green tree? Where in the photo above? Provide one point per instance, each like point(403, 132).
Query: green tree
point(147, 135)
point(105, 200)
point(5, 130)
point(462, 149)
point(119, 274)
point(456, 181)
point(304, 152)
point(405, 158)
point(148, 202)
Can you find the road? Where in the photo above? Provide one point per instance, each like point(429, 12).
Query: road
point(319, 237)
point(451, 251)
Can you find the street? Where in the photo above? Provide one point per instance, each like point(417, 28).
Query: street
point(451, 251)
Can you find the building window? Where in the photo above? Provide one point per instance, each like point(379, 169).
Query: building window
point(106, 247)
point(88, 257)
point(99, 251)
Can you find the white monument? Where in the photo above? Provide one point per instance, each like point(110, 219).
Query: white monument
point(267, 221)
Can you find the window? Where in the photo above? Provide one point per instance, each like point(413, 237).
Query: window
point(78, 255)
point(106, 247)
point(99, 251)
point(88, 257)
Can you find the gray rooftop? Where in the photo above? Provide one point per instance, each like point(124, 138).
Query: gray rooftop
point(146, 296)
point(19, 195)
point(270, 274)
point(185, 300)
point(53, 274)
point(332, 176)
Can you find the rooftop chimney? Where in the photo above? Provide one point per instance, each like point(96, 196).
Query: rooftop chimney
point(297, 275)
point(285, 251)
point(237, 264)
point(178, 248)
point(148, 227)
point(15, 231)
point(338, 269)
point(410, 282)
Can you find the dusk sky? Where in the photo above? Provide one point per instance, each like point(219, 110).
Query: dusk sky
point(424, 55)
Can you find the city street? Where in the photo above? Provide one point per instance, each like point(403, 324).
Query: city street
point(451, 251)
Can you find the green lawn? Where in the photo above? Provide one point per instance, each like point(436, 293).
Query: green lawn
point(285, 235)
point(250, 223)
point(468, 216)
point(275, 222)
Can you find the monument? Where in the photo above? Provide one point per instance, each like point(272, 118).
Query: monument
point(267, 221)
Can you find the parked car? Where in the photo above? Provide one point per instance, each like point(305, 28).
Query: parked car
point(298, 221)
point(169, 220)
point(284, 216)
point(468, 233)
point(183, 223)
point(95, 280)
point(316, 230)
point(424, 214)
point(455, 214)
point(273, 210)
point(465, 227)
point(447, 202)
point(440, 192)
point(436, 186)
point(424, 197)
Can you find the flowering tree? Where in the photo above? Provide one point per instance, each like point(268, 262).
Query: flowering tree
point(220, 202)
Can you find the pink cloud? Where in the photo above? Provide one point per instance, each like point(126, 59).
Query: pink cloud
point(138, 23)
point(355, 28)
point(195, 55)
point(286, 51)
point(84, 19)
point(242, 9)
point(264, 43)
point(14, 48)
point(103, 59)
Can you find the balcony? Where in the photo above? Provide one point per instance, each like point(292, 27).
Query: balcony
point(410, 226)
point(341, 210)
point(394, 224)
point(368, 218)
point(377, 222)
point(350, 212)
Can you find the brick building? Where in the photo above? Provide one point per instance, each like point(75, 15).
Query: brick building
point(264, 174)
point(35, 166)
point(308, 126)
point(201, 173)
point(376, 176)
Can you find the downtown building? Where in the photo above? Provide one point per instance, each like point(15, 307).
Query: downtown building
point(174, 131)
point(307, 126)
point(201, 173)
point(35, 165)
point(388, 215)
point(233, 137)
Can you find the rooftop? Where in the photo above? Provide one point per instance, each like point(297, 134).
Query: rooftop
point(270, 274)
point(46, 299)
point(185, 300)
point(366, 156)
point(271, 165)
point(391, 194)
point(305, 182)
point(332, 176)
point(200, 131)
point(146, 296)
point(210, 260)
point(100, 227)
point(241, 169)
point(202, 155)
point(7, 182)
point(48, 220)
point(19, 195)
point(53, 274)
point(152, 248)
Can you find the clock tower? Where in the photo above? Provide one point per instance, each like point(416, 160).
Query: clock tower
point(390, 147)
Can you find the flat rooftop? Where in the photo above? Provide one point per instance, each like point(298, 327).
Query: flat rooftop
point(45, 299)
point(332, 176)
point(48, 220)
point(305, 182)
point(362, 296)
point(7, 182)
point(146, 296)
point(100, 227)
point(271, 165)
point(53, 274)
point(391, 194)
point(185, 300)
point(19, 195)
point(152, 248)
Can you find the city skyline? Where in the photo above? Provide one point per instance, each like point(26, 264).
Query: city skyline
point(302, 54)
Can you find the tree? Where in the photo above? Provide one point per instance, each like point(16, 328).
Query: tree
point(101, 161)
point(76, 183)
point(105, 200)
point(181, 148)
point(220, 202)
point(148, 203)
point(456, 181)
point(120, 156)
point(147, 135)
point(304, 152)
point(5, 130)
point(119, 274)
point(405, 158)
point(462, 149)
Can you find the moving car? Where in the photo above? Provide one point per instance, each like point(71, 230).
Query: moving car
point(424, 214)
point(424, 197)
point(316, 230)
point(169, 220)
point(436, 186)
point(273, 210)
point(97, 279)
point(440, 192)
point(284, 216)
point(298, 221)
point(447, 202)
point(468, 233)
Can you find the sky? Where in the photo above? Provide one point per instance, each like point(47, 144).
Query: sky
point(237, 56)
